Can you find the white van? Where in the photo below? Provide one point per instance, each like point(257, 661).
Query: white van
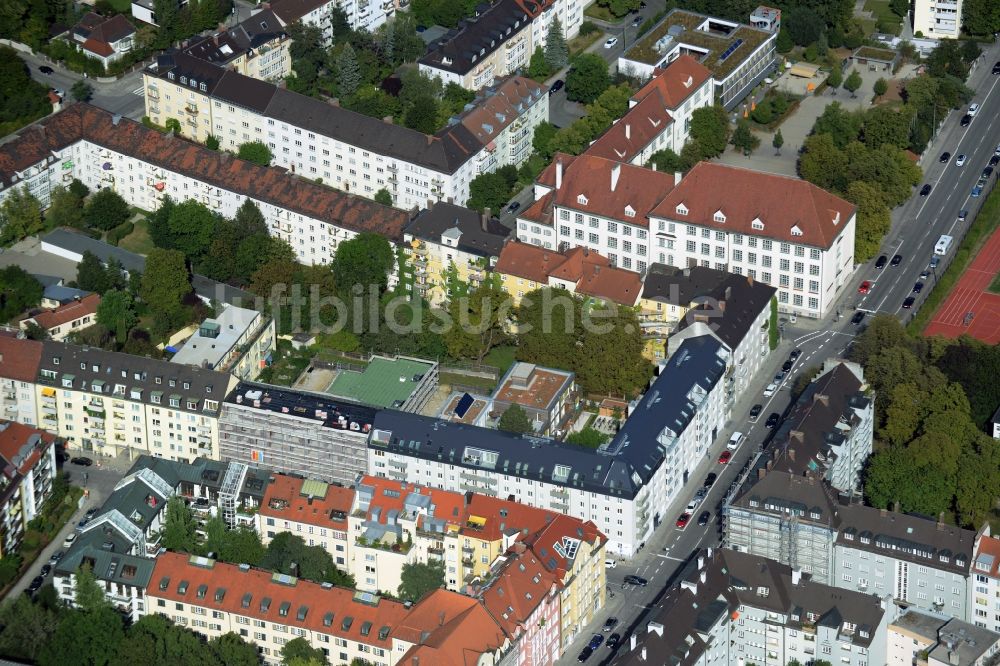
point(69, 540)
point(770, 389)
point(941, 247)
point(735, 441)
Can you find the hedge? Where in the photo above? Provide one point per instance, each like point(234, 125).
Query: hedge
point(121, 231)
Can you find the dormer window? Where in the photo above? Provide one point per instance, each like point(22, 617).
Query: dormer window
point(582, 200)
point(202, 87)
point(184, 80)
point(757, 224)
point(681, 209)
point(629, 211)
point(796, 231)
point(719, 216)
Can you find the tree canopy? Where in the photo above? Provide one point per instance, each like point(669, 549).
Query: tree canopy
point(515, 419)
point(256, 152)
point(588, 77)
point(364, 260)
point(19, 291)
point(105, 210)
point(20, 216)
point(419, 578)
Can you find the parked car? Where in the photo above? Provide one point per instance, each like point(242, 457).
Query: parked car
point(770, 389)
point(514, 205)
point(704, 518)
point(68, 541)
point(996, 67)
point(962, 214)
point(944, 158)
point(613, 640)
point(924, 274)
point(772, 420)
point(595, 641)
point(46, 70)
point(881, 262)
point(636, 580)
point(557, 86)
point(710, 480)
point(865, 287)
point(858, 317)
point(960, 161)
point(787, 365)
point(694, 503)
point(918, 287)
point(724, 457)
point(794, 355)
point(637, 21)
point(35, 585)
point(46, 570)
point(83, 461)
point(735, 441)
point(925, 190)
point(966, 119)
point(987, 172)
point(585, 654)
point(56, 556)
point(90, 512)
point(83, 523)
point(995, 160)
point(973, 109)
point(755, 412)
point(611, 42)
point(908, 303)
point(610, 623)
point(935, 260)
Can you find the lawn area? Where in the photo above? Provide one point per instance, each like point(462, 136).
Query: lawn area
point(581, 43)
point(481, 383)
point(595, 11)
point(884, 16)
point(138, 241)
point(123, 6)
point(501, 357)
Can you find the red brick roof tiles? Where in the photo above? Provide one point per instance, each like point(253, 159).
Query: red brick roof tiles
point(676, 82)
point(13, 437)
point(638, 128)
point(448, 629)
point(284, 499)
point(517, 591)
point(790, 209)
point(19, 359)
point(71, 311)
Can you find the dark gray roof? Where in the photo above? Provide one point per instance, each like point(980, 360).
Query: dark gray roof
point(803, 444)
point(699, 362)
point(130, 261)
point(76, 365)
point(113, 565)
point(57, 292)
point(727, 302)
point(476, 38)
point(444, 152)
point(620, 468)
point(245, 92)
point(909, 537)
point(479, 235)
point(303, 404)
point(222, 47)
point(185, 69)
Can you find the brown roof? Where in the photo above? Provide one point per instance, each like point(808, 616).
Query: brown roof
point(98, 47)
point(13, 438)
point(448, 629)
point(497, 111)
point(290, 11)
point(638, 128)
point(71, 311)
point(232, 584)
point(592, 176)
point(591, 272)
point(791, 209)
point(284, 499)
point(19, 359)
point(518, 589)
point(270, 184)
point(674, 83)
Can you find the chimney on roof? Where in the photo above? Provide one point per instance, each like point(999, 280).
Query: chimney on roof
point(484, 219)
point(628, 132)
point(791, 454)
point(796, 576)
point(616, 172)
point(558, 174)
point(677, 178)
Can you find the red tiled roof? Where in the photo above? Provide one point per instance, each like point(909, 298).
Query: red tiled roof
point(96, 47)
point(674, 83)
point(592, 176)
point(591, 272)
point(71, 311)
point(503, 517)
point(19, 359)
point(283, 499)
point(517, 591)
point(638, 128)
point(448, 506)
point(13, 437)
point(561, 527)
point(782, 203)
point(499, 110)
point(448, 629)
point(989, 545)
point(172, 568)
point(270, 184)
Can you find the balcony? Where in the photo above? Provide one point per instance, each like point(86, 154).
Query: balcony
point(436, 551)
point(152, 93)
point(191, 108)
point(468, 550)
point(193, 122)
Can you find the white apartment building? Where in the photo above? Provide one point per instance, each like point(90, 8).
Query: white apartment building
point(19, 360)
point(737, 609)
point(116, 404)
point(239, 341)
point(624, 487)
point(360, 14)
point(938, 19)
point(984, 592)
point(144, 166)
point(659, 115)
point(921, 638)
point(28, 456)
point(498, 41)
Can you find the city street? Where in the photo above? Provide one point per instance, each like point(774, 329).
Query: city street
point(122, 96)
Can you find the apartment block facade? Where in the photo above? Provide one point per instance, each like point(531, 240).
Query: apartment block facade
point(295, 432)
point(257, 47)
point(919, 638)
point(938, 19)
point(984, 592)
point(798, 521)
point(736, 609)
point(625, 487)
point(19, 360)
point(29, 465)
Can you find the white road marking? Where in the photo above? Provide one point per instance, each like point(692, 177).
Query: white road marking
point(667, 557)
point(139, 91)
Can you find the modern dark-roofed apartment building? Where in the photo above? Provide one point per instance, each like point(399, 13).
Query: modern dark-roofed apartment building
point(799, 521)
point(624, 487)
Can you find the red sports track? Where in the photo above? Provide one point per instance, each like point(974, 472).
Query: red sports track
point(970, 295)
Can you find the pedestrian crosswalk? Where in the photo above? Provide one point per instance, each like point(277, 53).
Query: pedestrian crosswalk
point(139, 91)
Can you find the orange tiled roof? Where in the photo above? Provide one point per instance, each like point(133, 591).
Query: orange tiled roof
point(518, 589)
point(543, 541)
point(448, 629)
point(676, 82)
point(638, 128)
point(448, 506)
point(19, 359)
point(227, 586)
point(64, 314)
point(490, 117)
point(989, 545)
point(284, 499)
point(270, 184)
point(14, 436)
point(790, 209)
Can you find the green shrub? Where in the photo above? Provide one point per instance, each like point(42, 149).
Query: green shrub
point(588, 28)
point(121, 231)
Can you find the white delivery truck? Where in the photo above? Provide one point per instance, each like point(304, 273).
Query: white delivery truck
point(941, 247)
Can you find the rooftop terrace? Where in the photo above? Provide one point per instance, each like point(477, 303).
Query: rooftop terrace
point(385, 382)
